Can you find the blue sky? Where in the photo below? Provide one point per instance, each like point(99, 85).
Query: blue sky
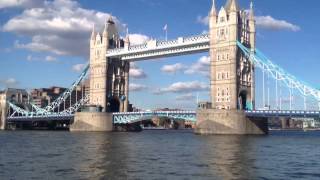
point(45, 43)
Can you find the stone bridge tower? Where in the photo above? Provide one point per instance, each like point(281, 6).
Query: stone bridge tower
point(232, 74)
point(109, 77)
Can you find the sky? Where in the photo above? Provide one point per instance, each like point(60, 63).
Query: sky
point(45, 43)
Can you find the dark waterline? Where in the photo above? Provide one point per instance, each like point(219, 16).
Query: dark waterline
point(158, 155)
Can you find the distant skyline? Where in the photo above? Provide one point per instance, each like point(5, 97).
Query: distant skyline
point(46, 43)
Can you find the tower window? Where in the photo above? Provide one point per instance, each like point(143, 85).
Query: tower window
point(221, 32)
point(222, 19)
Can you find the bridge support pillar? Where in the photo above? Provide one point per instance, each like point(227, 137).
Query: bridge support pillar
point(3, 114)
point(213, 121)
point(92, 121)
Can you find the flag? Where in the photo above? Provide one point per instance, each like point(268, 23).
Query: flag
point(165, 27)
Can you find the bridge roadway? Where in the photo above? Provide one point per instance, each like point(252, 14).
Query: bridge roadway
point(132, 117)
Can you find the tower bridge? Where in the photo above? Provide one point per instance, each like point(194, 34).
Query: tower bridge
point(234, 58)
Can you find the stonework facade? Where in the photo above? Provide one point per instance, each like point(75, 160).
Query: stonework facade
point(232, 74)
point(109, 77)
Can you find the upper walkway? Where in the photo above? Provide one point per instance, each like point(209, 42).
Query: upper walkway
point(156, 49)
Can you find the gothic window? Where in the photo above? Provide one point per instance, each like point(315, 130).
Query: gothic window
point(227, 56)
point(222, 56)
point(222, 76)
point(218, 58)
point(222, 92)
point(222, 19)
point(221, 32)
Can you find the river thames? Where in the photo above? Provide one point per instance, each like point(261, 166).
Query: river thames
point(159, 154)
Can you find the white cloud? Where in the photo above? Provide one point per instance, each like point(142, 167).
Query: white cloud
point(202, 66)
point(10, 82)
point(136, 39)
point(265, 22)
point(78, 67)
point(269, 22)
point(29, 58)
point(50, 59)
point(136, 72)
point(184, 87)
point(46, 59)
point(136, 87)
point(59, 26)
point(203, 20)
point(186, 97)
point(173, 68)
point(20, 3)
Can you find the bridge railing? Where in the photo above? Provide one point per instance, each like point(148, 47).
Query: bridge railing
point(283, 113)
point(132, 117)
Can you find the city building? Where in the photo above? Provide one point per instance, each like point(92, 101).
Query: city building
point(44, 96)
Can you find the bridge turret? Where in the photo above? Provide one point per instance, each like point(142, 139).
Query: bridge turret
point(93, 37)
point(127, 41)
point(252, 28)
point(232, 6)
point(232, 9)
point(112, 34)
point(213, 14)
point(105, 39)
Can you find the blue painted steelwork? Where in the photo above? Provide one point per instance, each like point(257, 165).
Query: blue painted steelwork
point(132, 117)
point(41, 118)
point(277, 73)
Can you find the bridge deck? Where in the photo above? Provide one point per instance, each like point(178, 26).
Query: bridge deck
point(131, 117)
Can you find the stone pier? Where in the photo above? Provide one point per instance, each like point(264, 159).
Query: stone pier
point(212, 121)
point(92, 121)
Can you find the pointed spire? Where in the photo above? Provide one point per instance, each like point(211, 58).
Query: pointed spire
point(105, 28)
point(93, 34)
point(213, 9)
point(232, 6)
point(251, 13)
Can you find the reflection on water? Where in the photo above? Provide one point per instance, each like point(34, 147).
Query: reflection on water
point(158, 155)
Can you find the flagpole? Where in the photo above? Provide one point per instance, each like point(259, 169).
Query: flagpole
point(166, 34)
point(165, 28)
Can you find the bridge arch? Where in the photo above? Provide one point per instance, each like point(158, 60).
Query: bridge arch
point(243, 99)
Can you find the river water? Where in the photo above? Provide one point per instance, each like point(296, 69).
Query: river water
point(159, 154)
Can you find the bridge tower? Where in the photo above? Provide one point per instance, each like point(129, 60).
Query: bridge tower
point(109, 77)
point(232, 74)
